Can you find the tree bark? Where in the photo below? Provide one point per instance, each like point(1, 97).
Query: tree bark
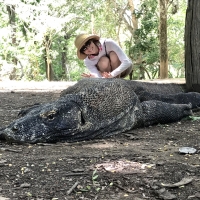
point(133, 17)
point(12, 18)
point(192, 46)
point(132, 30)
point(163, 40)
point(48, 60)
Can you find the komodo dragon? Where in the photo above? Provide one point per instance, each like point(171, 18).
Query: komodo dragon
point(98, 108)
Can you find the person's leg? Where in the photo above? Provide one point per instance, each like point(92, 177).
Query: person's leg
point(127, 72)
point(108, 65)
point(114, 60)
point(104, 64)
point(115, 63)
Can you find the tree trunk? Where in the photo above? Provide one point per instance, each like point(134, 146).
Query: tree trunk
point(133, 17)
point(48, 60)
point(65, 66)
point(11, 13)
point(132, 31)
point(192, 46)
point(163, 40)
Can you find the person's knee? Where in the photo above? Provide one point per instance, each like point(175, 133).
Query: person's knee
point(112, 54)
point(104, 64)
point(115, 62)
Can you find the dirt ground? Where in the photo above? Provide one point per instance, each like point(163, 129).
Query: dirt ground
point(145, 163)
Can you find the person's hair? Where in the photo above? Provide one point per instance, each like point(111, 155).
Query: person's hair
point(96, 42)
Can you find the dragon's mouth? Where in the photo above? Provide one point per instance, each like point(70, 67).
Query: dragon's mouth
point(2, 134)
point(9, 137)
point(20, 138)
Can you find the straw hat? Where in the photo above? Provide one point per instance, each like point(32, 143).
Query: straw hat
point(81, 40)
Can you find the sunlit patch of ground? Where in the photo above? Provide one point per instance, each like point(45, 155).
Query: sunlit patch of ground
point(123, 166)
point(59, 85)
point(34, 86)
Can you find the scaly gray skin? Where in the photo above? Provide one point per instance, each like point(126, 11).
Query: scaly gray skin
point(97, 108)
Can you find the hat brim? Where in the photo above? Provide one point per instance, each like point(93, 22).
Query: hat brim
point(80, 55)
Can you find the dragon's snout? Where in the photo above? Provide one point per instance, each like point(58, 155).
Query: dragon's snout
point(9, 133)
point(2, 133)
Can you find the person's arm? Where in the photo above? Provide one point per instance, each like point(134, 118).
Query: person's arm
point(92, 69)
point(125, 61)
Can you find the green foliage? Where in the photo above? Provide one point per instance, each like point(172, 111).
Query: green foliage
point(176, 26)
point(194, 118)
point(144, 48)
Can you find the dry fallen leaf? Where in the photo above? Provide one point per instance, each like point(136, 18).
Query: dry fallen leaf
point(184, 181)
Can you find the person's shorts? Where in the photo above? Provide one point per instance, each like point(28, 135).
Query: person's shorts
point(126, 72)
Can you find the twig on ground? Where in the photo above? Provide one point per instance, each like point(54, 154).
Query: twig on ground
point(72, 188)
point(12, 150)
point(120, 187)
point(76, 174)
point(96, 197)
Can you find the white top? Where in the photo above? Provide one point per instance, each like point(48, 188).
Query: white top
point(110, 46)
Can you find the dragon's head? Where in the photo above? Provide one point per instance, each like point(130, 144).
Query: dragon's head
point(46, 123)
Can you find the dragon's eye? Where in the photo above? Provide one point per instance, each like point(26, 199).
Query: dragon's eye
point(51, 116)
point(82, 119)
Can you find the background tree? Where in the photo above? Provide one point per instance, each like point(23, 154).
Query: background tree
point(144, 47)
point(163, 39)
point(12, 22)
point(192, 46)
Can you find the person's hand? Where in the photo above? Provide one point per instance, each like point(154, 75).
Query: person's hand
point(107, 75)
point(87, 75)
